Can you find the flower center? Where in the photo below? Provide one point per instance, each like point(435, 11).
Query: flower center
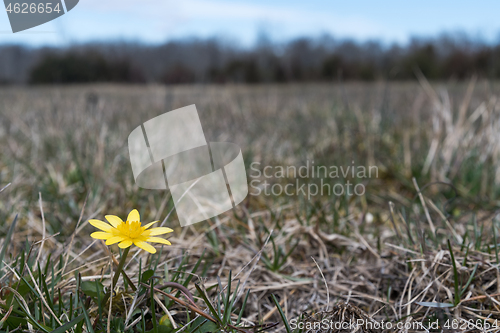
point(131, 229)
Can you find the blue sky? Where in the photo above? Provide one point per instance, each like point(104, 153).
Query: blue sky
point(155, 21)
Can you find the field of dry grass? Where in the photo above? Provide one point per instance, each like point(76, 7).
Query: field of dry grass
point(419, 246)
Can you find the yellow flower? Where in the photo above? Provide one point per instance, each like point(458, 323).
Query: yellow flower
point(129, 232)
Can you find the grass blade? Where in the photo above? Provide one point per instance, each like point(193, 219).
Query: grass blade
point(6, 243)
point(280, 310)
point(455, 275)
point(470, 280)
point(69, 325)
point(208, 303)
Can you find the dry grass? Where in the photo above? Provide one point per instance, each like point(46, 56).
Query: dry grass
point(386, 254)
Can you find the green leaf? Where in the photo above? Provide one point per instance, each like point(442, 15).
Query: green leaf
point(197, 323)
point(69, 325)
point(203, 325)
point(14, 322)
point(162, 329)
point(147, 275)
point(92, 288)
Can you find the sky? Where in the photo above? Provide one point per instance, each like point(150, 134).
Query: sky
point(241, 21)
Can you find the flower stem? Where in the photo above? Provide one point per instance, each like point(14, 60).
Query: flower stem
point(117, 273)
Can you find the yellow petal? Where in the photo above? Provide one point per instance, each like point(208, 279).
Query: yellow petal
point(156, 231)
point(145, 246)
point(133, 216)
point(101, 235)
point(114, 220)
point(101, 225)
point(158, 240)
point(114, 239)
point(150, 224)
point(125, 244)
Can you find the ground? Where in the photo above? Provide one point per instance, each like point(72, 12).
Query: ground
point(418, 245)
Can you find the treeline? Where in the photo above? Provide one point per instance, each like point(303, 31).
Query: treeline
point(215, 61)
